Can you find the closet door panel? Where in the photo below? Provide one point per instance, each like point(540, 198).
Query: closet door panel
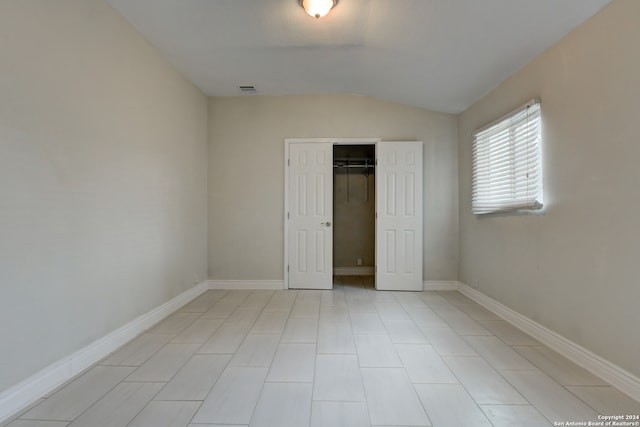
point(399, 216)
point(311, 215)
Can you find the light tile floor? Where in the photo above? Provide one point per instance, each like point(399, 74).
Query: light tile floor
point(349, 357)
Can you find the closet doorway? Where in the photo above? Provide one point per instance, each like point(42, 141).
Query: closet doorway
point(354, 214)
point(309, 228)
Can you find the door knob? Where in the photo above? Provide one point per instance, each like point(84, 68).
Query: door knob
point(328, 223)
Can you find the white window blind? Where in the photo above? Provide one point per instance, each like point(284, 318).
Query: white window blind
point(507, 163)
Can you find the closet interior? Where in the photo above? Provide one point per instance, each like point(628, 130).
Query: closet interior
point(354, 215)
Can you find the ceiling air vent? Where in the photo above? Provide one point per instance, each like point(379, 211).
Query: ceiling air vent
point(248, 89)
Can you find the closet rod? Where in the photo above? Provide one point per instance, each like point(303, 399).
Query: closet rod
point(353, 159)
point(354, 166)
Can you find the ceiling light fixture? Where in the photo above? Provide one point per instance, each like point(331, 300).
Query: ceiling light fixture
point(318, 8)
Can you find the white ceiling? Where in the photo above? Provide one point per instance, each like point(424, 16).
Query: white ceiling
point(438, 54)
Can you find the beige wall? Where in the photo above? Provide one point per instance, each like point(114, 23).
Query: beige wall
point(574, 268)
point(354, 220)
point(246, 174)
point(102, 180)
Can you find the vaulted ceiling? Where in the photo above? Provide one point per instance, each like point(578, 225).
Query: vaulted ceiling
point(437, 54)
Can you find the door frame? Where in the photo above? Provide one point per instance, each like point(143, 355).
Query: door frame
point(287, 144)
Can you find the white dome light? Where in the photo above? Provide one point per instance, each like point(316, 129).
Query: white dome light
point(318, 8)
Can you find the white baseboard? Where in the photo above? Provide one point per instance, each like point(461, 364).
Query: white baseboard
point(616, 376)
point(354, 271)
point(246, 284)
point(440, 285)
point(25, 393)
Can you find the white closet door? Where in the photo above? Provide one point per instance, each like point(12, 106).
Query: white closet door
point(311, 216)
point(399, 216)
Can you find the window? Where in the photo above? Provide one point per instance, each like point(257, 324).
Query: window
point(507, 163)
